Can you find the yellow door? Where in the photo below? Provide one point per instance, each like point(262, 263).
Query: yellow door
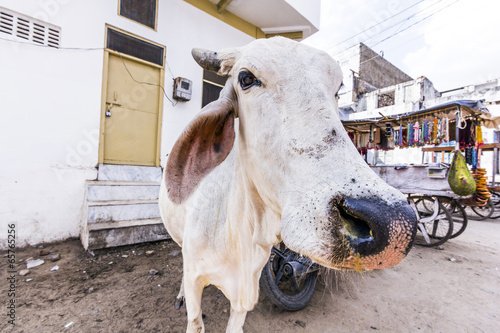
point(131, 113)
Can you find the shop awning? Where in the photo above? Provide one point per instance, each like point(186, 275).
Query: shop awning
point(469, 108)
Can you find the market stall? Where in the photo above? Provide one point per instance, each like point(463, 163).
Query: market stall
point(437, 190)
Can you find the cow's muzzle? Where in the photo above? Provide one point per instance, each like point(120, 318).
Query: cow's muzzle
point(377, 232)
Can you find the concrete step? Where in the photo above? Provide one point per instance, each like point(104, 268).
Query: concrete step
point(101, 236)
point(122, 210)
point(123, 224)
point(121, 190)
point(133, 173)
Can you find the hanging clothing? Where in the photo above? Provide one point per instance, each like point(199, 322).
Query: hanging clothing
point(410, 135)
point(435, 131)
point(416, 134)
point(446, 129)
point(400, 135)
point(468, 155)
point(439, 131)
point(431, 129)
point(479, 135)
point(421, 140)
point(474, 158)
point(426, 131)
point(467, 135)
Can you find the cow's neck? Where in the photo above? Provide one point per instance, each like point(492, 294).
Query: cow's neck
point(250, 215)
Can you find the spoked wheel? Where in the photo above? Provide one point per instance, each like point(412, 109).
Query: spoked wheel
point(289, 279)
point(495, 198)
point(434, 221)
point(458, 215)
point(486, 211)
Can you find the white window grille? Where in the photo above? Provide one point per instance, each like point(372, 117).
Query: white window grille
point(29, 28)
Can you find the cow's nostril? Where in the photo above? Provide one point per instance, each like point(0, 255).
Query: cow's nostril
point(357, 232)
point(355, 226)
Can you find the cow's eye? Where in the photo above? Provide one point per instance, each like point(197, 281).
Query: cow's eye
point(248, 80)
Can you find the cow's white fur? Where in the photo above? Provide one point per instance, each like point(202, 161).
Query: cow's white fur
point(290, 157)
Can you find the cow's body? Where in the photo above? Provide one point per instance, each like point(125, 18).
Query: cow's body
point(217, 248)
point(287, 172)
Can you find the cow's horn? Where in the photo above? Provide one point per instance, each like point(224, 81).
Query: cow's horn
point(207, 59)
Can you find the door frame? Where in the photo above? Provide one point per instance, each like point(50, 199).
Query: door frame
point(104, 90)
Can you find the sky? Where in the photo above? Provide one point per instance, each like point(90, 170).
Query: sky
point(454, 43)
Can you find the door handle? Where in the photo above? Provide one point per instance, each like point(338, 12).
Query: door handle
point(110, 106)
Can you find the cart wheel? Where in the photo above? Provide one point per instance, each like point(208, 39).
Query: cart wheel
point(495, 198)
point(286, 288)
point(424, 204)
point(458, 215)
point(486, 211)
point(433, 231)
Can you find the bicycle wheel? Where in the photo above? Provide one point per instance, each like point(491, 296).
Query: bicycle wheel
point(458, 215)
point(434, 230)
point(484, 212)
point(287, 290)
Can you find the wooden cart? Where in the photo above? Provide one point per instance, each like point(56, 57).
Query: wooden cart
point(442, 213)
point(439, 212)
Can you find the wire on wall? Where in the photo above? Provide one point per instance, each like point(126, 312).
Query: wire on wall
point(146, 83)
point(100, 49)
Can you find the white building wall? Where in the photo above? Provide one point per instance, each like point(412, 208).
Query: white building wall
point(50, 106)
point(407, 98)
point(489, 91)
point(349, 60)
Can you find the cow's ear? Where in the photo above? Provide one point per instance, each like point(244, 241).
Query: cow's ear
point(203, 145)
point(228, 57)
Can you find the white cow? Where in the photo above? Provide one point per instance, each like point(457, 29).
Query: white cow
point(285, 170)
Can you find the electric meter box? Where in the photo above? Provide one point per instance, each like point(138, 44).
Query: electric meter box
point(182, 89)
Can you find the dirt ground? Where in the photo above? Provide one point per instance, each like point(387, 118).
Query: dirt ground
point(456, 289)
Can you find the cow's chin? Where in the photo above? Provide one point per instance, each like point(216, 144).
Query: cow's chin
point(350, 260)
point(333, 250)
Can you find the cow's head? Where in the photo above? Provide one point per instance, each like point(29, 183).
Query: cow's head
point(296, 154)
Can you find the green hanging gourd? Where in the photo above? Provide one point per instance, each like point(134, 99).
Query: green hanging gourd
point(459, 177)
